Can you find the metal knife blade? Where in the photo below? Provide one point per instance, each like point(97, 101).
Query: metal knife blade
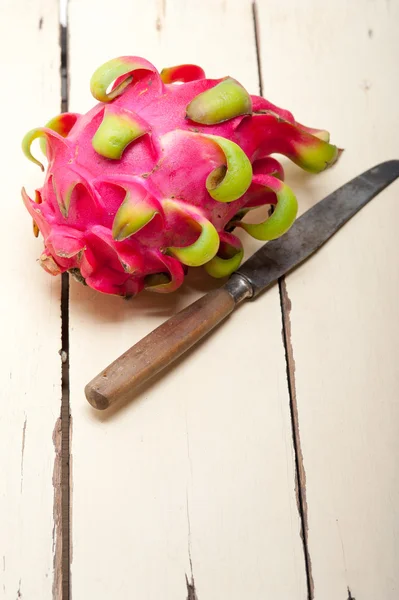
point(120, 380)
point(315, 227)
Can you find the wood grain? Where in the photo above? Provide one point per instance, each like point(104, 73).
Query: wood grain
point(195, 477)
point(30, 366)
point(335, 66)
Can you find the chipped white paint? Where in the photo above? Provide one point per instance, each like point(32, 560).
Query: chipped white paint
point(29, 308)
point(335, 65)
point(199, 469)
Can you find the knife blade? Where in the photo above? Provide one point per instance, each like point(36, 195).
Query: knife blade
point(120, 380)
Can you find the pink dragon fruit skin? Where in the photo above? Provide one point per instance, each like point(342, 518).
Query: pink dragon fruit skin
point(155, 177)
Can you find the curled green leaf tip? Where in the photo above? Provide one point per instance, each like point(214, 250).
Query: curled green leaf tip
point(282, 218)
point(226, 100)
point(116, 131)
point(27, 141)
point(206, 245)
point(238, 175)
point(223, 266)
point(132, 215)
point(317, 156)
point(107, 73)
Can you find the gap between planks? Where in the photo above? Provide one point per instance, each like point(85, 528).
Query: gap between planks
point(62, 430)
point(65, 445)
point(285, 303)
point(300, 473)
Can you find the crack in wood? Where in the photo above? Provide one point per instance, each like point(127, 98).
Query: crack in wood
point(300, 475)
point(255, 18)
point(23, 451)
point(343, 549)
point(19, 594)
point(61, 589)
point(161, 10)
point(350, 597)
point(57, 512)
point(189, 535)
point(191, 591)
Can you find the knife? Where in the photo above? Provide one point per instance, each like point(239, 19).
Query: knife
point(120, 380)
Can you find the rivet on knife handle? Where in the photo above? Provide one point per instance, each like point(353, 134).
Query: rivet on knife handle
point(152, 354)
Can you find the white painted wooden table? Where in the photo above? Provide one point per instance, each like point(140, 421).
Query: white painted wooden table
point(264, 468)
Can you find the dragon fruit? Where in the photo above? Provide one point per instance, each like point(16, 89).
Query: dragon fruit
point(156, 177)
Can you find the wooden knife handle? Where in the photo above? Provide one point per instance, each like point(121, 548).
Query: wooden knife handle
point(160, 348)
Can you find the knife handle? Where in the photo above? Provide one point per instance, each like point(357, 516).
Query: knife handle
point(152, 354)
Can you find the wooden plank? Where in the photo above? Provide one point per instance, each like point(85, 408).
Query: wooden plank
point(196, 477)
point(338, 70)
point(30, 368)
